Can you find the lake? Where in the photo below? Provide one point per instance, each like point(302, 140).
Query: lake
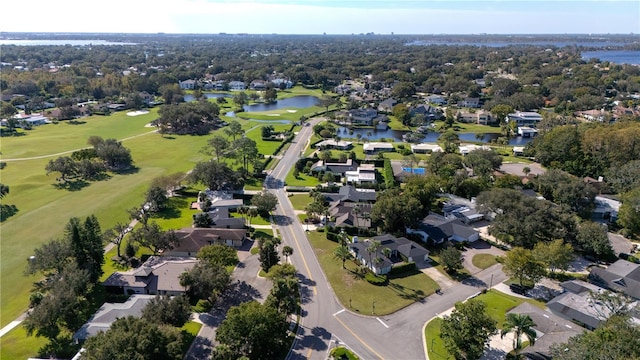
point(189, 97)
point(300, 101)
point(431, 137)
point(615, 56)
point(61, 42)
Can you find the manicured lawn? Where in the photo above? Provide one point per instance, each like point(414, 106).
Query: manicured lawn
point(17, 345)
point(461, 128)
point(44, 210)
point(497, 304)
point(253, 184)
point(435, 345)
point(399, 293)
point(189, 331)
point(483, 261)
point(263, 233)
point(178, 214)
point(300, 201)
point(301, 180)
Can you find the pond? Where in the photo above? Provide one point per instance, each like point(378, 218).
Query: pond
point(431, 137)
point(301, 101)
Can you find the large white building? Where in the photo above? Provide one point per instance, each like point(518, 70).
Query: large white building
point(525, 118)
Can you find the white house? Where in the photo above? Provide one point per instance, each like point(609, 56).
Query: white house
point(425, 148)
point(188, 84)
point(376, 147)
point(525, 118)
point(237, 86)
point(366, 173)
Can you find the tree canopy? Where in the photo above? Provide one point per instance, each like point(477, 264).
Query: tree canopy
point(466, 331)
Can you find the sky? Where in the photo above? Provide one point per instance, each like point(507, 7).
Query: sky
point(323, 16)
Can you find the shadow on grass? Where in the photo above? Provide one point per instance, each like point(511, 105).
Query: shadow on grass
point(407, 293)
point(173, 210)
point(13, 133)
point(72, 185)
point(127, 171)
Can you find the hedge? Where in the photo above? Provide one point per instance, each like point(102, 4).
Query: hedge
point(342, 353)
point(377, 280)
point(389, 179)
point(399, 269)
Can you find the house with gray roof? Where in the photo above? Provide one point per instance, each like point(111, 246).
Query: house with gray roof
point(550, 329)
point(191, 240)
point(621, 276)
point(400, 249)
point(337, 168)
point(109, 313)
point(438, 229)
point(158, 275)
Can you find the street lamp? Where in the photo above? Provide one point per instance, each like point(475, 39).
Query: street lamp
point(373, 304)
point(491, 283)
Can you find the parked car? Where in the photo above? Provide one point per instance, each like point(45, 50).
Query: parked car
point(518, 289)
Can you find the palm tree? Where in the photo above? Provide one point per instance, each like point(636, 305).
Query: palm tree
point(519, 324)
point(373, 248)
point(342, 253)
point(287, 251)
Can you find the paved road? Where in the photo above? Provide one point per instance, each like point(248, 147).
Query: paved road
point(324, 320)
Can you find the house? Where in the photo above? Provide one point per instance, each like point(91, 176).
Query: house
point(351, 194)
point(193, 239)
point(387, 105)
point(350, 214)
point(400, 249)
point(606, 208)
point(401, 172)
point(337, 168)
point(576, 304)
point(333, 144)
point(362, 116)
point(377, 147)
point(258, 85)
point(591, 115)
point(438, 229)
point(147, 98)
point(188, 84)
point(518, 151)
point(425, 148)
point(288, 84)
point(480, 117)
point(109, 313)
point(437, 99)
point(525, 118)
point(221, 219)
point(30, 120)
point(470, 103)
point(550, 329)
point(621, 276)
point(526, 131)
point(158, 275)
point(462, 212)
point(218, 199)
point(116, 107)
point(365, 173)
point(237, 86)
point(427, 111)
point(467, 148)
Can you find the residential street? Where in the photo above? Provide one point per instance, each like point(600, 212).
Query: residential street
point(324, 320)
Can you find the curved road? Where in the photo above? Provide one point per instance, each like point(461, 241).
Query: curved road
point(324, 320)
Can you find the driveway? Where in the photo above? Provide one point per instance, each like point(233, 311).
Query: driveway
point(478, 247)
point(443, 280)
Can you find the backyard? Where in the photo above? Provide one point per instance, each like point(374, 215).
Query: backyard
point(402, 290)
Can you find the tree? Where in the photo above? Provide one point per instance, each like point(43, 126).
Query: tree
point(50, 258)
point(342, 253)
point(86, 245)
point(4, 190)
point(629, 214)
point(256, 331)
point(618, 338)
point(521, 264)
point(156, 198)
point(240, 99)
point(606, 304)
point(206, 281)
point(154, 238)
point(467, 330)
point(265, 202)
point(519, 324)
point(131, 338)
point(234, 129)
point(592, 239)
point(267, 131)
point(219, 145)
point(65, 165)
point(401, 112)
point(167, 310)
point(218, 254)
point(214, 175)
point(451, 258)
point(112, 152)
point(202, 220)
point(246, 150)
point(500, 112)
point(282, 271)
point(286, 252)
point(270, 95)
point(326, 101)
point(116, 234)
point(396, 210)
point(268, 254)
point(555, 255)
point(284, 295)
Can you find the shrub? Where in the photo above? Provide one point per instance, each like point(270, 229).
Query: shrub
point(203, 306)
point(399, 269)
point(377, 280)
point(342, 353)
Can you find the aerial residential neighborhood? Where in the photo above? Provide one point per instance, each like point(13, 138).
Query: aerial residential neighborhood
point(213, 195)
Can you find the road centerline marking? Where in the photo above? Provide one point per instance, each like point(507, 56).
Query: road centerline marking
point(359, 339)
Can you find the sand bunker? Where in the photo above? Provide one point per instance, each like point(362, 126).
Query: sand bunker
point(273, 114)
point(137, 112)
point(292, 111)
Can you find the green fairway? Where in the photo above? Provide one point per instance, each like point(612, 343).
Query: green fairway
point(17, 345)
point(358, 294)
